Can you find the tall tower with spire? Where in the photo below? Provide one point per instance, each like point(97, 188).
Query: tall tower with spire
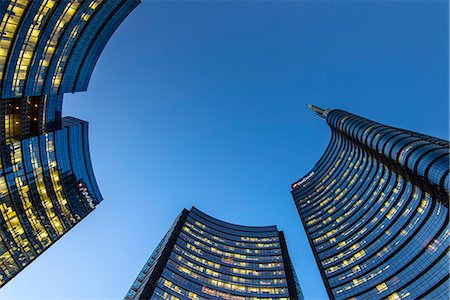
point(375, 210)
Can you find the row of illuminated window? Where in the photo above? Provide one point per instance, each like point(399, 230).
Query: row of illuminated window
point(374, 239)
point(251, 238)
point(179, 292)
point(334, 199)
point(370, 210)
point(317, 188)
point(241, 268)
point(322, 188)
point(220, 274)
point(237, 230)
point(209, 232)
point(331, 200)
point(8, 27)
point(374, 196)
point(313, 191)
point(177, 286)
point(30, 42)
point(74, 36)
point(173, 287)
point(208, 239)
point(52, 42)
point(226, 254)
point(215, 282)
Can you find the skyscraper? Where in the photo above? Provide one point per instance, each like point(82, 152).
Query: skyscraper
point(51, 47)
point(201, 257)
point(47, 184)
point(46, 187)
point(375, 210)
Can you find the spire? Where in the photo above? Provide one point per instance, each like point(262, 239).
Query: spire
point(318, 111)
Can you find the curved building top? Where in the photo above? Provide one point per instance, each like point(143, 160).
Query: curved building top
point(234, 227)
point(52, 46)
point(204, 258)
point(422, 158)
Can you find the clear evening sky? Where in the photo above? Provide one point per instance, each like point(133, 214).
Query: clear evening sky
point(204, 103)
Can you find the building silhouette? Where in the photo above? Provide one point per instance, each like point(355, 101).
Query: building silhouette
point(47, 185)
point(375, 210)
point(201, 257)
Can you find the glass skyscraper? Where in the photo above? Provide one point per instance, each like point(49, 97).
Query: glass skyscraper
point(375, 210)
point(47, 185)
point(201, 257)
point(52, 46)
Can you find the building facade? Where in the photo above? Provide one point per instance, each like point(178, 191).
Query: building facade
point(25, 117)
point(51, 46)
point(204, 258)
point(47, 185)
point(375, 210)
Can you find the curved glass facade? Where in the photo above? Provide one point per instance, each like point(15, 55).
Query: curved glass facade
point(52, 46)
point(46, 187)
point(204, 258)
point(375, 210)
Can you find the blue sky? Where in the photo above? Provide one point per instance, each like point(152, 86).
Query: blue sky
point(204, 103)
